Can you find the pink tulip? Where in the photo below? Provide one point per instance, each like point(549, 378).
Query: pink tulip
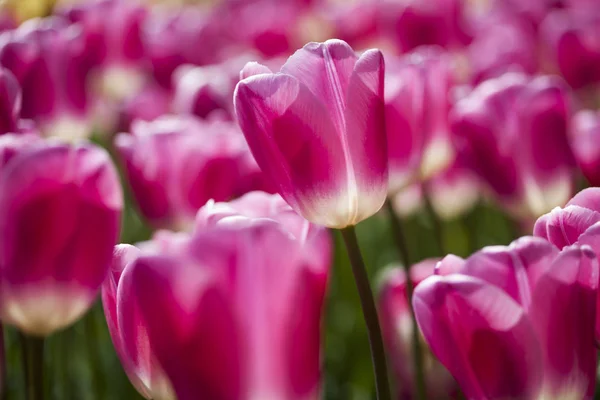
point(203, 90)
point(417, 23)
point(397, 328)
point(417, 101)
point(60, 211)
point(573, 36)
point(585, 133)
point(130, 339)
point(317, 130)
point(503, 43)
point(222, 327)
point(10, 101)
point(112, 32)
point(47, 56)
point(493, 324)
point(174, 165)
point(514, 130)
point(148, 104)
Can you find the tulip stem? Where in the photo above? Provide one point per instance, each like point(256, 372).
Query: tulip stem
point(417, 351)
point(438, 232)
point(34, 354)
point(369, 312)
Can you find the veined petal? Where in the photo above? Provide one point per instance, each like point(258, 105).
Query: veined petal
point(293, 141)
point(567, 337)
point(480, 334)
point(365, 138)
point(254, 68)
point(563, 227)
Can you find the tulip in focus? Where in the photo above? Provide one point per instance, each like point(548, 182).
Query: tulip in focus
point(493, 324)
point(576, 224)
point(234, 312)
point(60, 209)
point(514, 131)
point(397, 326)
point(417, 102)
point(174, 165)
point(585, 133)
point(317, 130)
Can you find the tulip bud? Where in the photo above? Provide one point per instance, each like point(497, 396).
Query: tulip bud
point(514, 131)
point(493, 325)
point(397, 325)
point(59, 220)
point(174, 165)
point(317, 130)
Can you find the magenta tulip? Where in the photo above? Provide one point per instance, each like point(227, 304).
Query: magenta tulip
point(130, 338)
point(417, 102)
point(222, 327)
point(317, 130)
point(60, 211)
point(423, 22)
point(174, 165)
point(150, 103)
point(585, 133)
point(397, 326)
point(48, 59)
point(493, 324)
point(572, 36)
point(503, 43)
point(514, 130)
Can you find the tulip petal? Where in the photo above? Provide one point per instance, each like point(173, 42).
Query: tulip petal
point(567, 336)
point(172, 293)
point(293, 141)
point(564, 227)
point(254, 68)
point(515, 268)
point(484, 347)
point(10, 101)
point(587, 198)
point(325, 69)
point(365, 135)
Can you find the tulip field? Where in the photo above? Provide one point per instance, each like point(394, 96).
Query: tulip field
point(299, 199)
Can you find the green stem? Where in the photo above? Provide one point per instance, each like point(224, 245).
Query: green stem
point(369, 312)
point(34, 366)
point(417, 351)
point(92, 339)
point(438, 232)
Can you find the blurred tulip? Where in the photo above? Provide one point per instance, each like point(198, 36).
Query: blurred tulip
point(47, 58)
point(317, 130)
point(225, 328)
point(112, 31)
point(130, 339)
point(397, 325)
point(171, 38)
point(585, 133)
point(496, 329)
point(573, 37)
point(60, 211)
point(202, 90)
point(416, 23)
point(174, 165)
point(503, 43)
point(10, 101)
point(417, 101)
point(148, 104)
point(513, 129)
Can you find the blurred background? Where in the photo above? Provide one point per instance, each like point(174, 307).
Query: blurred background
point(144, 60)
